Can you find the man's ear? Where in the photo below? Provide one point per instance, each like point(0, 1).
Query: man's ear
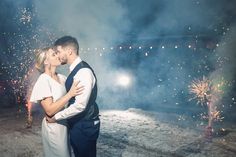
point(69, 50)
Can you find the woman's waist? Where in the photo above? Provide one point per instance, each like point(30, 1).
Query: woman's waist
point(56, 125)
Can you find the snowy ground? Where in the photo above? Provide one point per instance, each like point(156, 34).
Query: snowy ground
point(129, 133)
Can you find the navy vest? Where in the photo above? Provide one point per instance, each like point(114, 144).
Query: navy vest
point(91, 111)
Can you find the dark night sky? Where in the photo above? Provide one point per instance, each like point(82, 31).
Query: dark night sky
point(165, 45)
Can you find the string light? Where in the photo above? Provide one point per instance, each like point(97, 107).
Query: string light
point(138, 47)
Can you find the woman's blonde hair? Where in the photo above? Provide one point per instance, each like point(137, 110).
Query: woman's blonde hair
point(41, 56)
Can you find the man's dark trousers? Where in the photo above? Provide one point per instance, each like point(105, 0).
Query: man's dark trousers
point(83, 138)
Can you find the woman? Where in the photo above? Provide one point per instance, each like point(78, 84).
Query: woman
point(50, 91)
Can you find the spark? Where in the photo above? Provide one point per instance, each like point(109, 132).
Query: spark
point(217, 116)
point(201, 89)
point(26, 16)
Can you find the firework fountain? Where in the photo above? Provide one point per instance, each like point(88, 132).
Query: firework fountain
point(22, 89)
point(207, 92)
point(19, 67)
point(28, 80)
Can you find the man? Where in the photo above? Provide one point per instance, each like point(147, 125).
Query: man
point(82, 112)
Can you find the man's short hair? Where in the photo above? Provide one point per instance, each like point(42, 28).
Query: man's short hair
point(68, 41)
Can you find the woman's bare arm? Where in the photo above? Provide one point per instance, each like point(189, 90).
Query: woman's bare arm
point(51, 107)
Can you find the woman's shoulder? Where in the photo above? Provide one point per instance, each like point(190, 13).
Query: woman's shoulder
point(43, 78)
point(41, 89)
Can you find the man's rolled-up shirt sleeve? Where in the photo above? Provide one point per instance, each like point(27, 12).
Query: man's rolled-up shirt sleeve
point(87, 79)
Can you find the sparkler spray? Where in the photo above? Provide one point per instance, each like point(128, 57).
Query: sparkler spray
point(29, 120)
point(207, 93)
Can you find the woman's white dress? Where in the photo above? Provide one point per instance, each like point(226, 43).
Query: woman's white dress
point(54, 135)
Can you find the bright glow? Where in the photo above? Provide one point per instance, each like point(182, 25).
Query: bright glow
point(124, 80)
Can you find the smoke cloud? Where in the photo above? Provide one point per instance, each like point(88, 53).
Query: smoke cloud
point(161, 45)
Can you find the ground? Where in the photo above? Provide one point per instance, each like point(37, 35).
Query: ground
point(125, 133)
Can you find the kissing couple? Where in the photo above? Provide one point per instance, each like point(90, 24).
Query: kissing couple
point(71, 112)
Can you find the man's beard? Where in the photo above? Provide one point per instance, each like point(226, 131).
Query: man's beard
point(63, 61)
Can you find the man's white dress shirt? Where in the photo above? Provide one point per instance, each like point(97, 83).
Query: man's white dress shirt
point(87, 79)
